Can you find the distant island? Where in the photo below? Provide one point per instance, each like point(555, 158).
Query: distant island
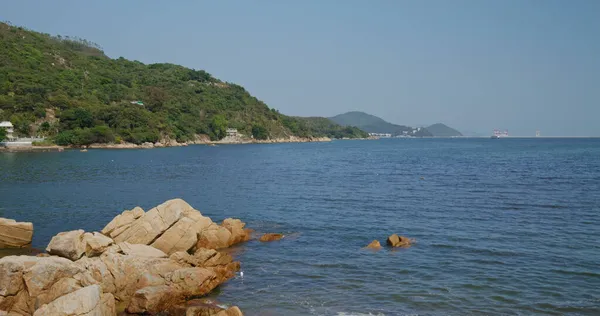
point(67, 90)
point(374, 124)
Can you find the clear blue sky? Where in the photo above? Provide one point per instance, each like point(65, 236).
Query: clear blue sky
point(475, 65)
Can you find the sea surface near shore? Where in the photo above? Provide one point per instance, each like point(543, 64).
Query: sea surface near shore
point(503, 227)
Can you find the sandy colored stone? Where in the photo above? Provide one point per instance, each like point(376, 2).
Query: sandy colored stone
point(87, 301)
point(15, 234)
point(180, 237)
point(214, 237)
point(193, 281)
point(139, 250)
point(374, 245)
point(95, 271)
point(124, 219)
point(399, 241)
point(236, 228)
point(271, 237)
point(153, 299)
point(59, 288)
point(154, 223)
point(68, 245)
point(46, 271)
point(96, 243)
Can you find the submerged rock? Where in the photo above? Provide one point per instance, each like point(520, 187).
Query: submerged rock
point(399, 241)
point(374, 245)
point(271, 237)
point(15, 234)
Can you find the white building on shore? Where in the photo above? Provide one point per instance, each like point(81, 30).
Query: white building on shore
point(9, 129)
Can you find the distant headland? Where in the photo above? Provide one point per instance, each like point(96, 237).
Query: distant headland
point(375, 125)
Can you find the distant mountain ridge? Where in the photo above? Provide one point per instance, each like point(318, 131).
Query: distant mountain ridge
point(442, 130)
point(373, 124)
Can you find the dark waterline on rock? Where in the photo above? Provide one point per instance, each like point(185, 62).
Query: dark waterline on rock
point(502, 226)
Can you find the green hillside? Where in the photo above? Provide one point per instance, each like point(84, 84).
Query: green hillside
point(68, 89)
point(442, 130)
point(374, 124)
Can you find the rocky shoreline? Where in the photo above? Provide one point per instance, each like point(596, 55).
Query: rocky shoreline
point(140, 263)
point(172, 143)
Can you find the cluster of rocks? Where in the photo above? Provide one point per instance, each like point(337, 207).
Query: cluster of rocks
point(393, 241)
point(150, 262)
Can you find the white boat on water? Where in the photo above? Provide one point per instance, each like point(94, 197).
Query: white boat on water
point(499, 134)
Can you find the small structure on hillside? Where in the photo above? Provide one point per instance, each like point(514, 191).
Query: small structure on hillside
point(9, 129)
point(232, 132)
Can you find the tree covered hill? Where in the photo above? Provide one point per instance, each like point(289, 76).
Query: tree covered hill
point(374, 124)
point(442, 130)
point(68, 89)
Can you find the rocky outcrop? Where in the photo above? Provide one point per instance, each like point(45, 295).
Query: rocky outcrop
point(374, 245)
point(399, 241)
point(15, 234)
point(86, 273)
point(270, 237)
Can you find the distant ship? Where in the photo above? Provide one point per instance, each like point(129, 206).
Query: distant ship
point(499, 134)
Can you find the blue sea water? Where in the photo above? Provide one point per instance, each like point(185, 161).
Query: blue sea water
point(503, 227)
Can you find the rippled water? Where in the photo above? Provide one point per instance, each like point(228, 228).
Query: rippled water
point(509, 226)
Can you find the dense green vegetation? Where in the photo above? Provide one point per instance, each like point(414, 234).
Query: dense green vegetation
point(67, 89)
point(442, 130)
point(374, 124)
point(3, 135)
point(325, 126)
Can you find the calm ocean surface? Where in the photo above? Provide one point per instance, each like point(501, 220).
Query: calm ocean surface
point(503, 227)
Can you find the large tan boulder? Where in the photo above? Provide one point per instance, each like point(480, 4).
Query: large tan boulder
point(127, 271)
point(122, 222)
point(154, 223)
point(193, 281)
point(399, 241)
point(15, 234)
point(96, 272)
point(214, 237)
point(88, 301)
point(180, 237)
point(153, 299)
point(236, 228)
point(47, 270)
point(96, 243)
point(68, 245)
point(27, 282)
point(180, 284)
